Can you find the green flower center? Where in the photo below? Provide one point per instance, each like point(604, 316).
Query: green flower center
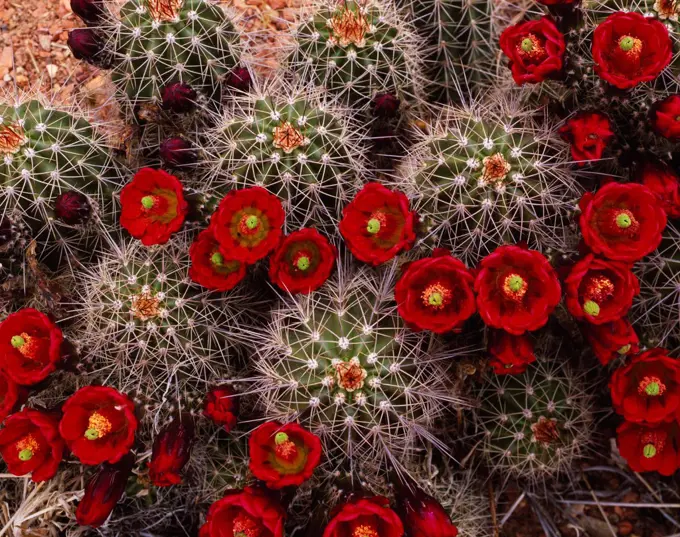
point(626, 43)
point(217, 259)
point(280, 438)
point(18, 342)
point(515, 283)
point(625, 349)
point(25, 454)
point(373, 226)
point(653, 389)
point(303, 262)
point(92, 434)
point(624, 221)
point(148, 202)
point(527, 44)
point(649, 451)
point(252, 221)
point(436, 299)
point(591, 308)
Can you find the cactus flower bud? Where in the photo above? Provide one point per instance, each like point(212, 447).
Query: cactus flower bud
point(85, 44)
point(177, 151)
point(171, 451)
point(239, 79)
point(103, 491)
point(385, 105)
point(72, 208)
point(423, 516)
point(90, 11)
point(179, 98)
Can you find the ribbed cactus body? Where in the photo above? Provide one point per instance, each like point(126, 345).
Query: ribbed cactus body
point(535, 424)
point(299, 146)
point(159, 42)
point(356, 50)
point(484, 177)
point(46, 153)
point(342, 361)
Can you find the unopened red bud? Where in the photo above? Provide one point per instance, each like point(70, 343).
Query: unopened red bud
point(179, 98)
point(85, 44)
point(72, 208)
point(177, 151)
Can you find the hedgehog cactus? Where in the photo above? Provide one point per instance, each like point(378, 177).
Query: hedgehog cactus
point(656, 313)
point(342, 362)
point(357, 50)
point(536, 424)
point(159, 42)
point(144, 326)
point(487, 176)
point(56, 175)
point(292, 141)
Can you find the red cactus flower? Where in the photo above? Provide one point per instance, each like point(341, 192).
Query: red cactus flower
point(221, 405)
point(377, 224)
point(647, 389)
point(98, 424)
point(171, 451)
point(535, 50)
point(600, 291)
point(588, 133)
point(249, 512)
point(612, 340)
point(664, 183)
point(248, 224)
point(210, 268)
point(364, 517)
point(650, 448)
point(510, 355)
point(9, 395)
point(152, 206)
point(622, 221)
point(435, 293)
point(283, 455)
point(666, 119)
point(423, 516)
point(517, 289)
point(30, 443)
point(30, 346)
point(103, 491)
point(629, 48)
point(302, 262)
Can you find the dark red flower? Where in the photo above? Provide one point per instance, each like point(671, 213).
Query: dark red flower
point(664, 183)
point(377, 224)
point(9, 395)
point(385, 105)
point(221, 405)
point(239, 79)
point(370, 517)
point(649, 448)
point(90, 11)
point(588, 133)
point(435, 293)
point(103, 491)
point(85, 44)
point(647, 389)
point(30, 346)
point(179, 98)
point(535, 50)
point(152, 206)
point(555, 2)
point(177, 151)
point(629, 48)
point(171, 451)
point(517, 289)
point(98, 424)
point(30, 443)
point(283, 455)
point(423, 516)
point(248, 224)
point(72, 208)
point(302, 262)
point(666, 119)
point(510, 355)
point(209, 267)
point(600, 291)
point(249, 512)
point(622, 221)
point(612, 340)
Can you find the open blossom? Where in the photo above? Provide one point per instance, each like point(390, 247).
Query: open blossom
point(664, 183)
point(30, 346)
point(648, 388)
point(435, 293)
point(359, 517)
point(612, 340)
point(210, 268)
point(588, 133)
point(622, 221)
point(666, 118)
point(377, 224)
point(629, 48)
point(535, 50)
point(98, 424)
point(650, 448)
point(517, 289)
point(283, 455)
